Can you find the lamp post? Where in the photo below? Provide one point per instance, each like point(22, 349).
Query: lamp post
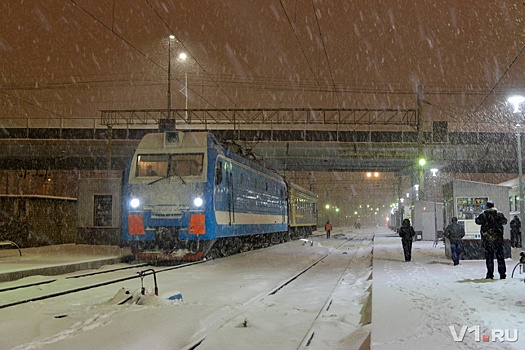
point(516, 101)
point(170, 39)
point(401, 210)
point(182, 58)
point(434, 175)
point(421, 190)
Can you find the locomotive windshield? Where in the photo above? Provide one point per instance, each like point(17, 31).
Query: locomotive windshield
point(164, 165)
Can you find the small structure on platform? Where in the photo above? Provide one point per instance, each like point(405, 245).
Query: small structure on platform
point(426, 218)
point(466, 200)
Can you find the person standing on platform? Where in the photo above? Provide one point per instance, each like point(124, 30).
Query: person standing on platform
point(407, 233)
point(455, 233)
point(515, 232)
point(328, 229)
point(492, 221)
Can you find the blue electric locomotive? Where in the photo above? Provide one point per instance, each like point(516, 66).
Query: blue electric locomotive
point(187, 196)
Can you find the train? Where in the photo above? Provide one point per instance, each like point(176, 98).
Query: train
point(187, 197)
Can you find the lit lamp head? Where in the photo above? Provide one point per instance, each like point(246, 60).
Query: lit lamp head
point(516, 101)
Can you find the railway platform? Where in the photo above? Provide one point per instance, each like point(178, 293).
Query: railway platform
point(57, 259)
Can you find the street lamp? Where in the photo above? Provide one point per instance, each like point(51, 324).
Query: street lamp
point(434, 175)
point(182, 58)
point(170, 39)
point(516, 101)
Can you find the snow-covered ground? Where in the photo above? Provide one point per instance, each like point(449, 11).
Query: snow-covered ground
point(423, 304)
point(430, 304)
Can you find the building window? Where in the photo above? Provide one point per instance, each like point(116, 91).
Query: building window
point(102, 210)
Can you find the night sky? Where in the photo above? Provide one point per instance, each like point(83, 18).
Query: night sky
point(71, 59)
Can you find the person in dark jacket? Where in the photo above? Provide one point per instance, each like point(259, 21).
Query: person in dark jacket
point(515, 232)
point(455, 233)
point(492, 221)
point(407, 233)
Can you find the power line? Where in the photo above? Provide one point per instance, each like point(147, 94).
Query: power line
point(116, 34)
point(324, 48)
point(500, 78)
point(32, 104)
point(298, 41)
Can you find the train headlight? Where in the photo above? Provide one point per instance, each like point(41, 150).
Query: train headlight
point(134, 203)
point(198, 202)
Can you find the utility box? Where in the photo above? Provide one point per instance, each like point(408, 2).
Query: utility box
point(427, 220)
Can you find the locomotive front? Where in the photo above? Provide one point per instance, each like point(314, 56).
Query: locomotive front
point(166, 197)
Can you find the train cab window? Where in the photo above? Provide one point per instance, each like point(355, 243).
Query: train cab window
point(218, 173)
point(151, 165)
point(186, 164)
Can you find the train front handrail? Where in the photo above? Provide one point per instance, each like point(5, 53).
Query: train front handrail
point(142, 274)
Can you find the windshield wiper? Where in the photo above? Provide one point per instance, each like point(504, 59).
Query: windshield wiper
point(157, 180)
point(180, 177)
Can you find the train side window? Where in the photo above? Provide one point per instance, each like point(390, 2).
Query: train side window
point(218, 173)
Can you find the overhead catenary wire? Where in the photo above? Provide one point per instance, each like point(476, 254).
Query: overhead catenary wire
point(500, 79)
point(294, 30)
point(324, 49)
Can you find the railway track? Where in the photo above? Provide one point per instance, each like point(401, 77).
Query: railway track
point(288, 295)
point(10, 294)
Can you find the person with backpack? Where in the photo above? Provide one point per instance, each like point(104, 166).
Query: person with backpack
point(455, 233)
point(492, 221)
point(407, 233)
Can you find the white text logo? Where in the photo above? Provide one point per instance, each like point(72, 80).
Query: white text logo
point(493, 335)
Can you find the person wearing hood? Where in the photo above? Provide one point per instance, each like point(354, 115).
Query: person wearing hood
point(407, 233)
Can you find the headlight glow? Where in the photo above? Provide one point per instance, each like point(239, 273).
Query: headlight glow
point(197, 201)
point(134, 203)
